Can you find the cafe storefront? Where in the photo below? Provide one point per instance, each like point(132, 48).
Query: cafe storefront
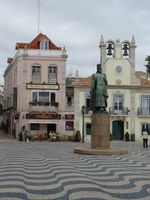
point(46, 122)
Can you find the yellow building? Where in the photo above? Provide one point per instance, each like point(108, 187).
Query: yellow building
point(129, 93)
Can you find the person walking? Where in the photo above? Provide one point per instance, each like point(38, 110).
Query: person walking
point(145, 139)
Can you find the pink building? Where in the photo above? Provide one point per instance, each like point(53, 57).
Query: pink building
point(35, 89)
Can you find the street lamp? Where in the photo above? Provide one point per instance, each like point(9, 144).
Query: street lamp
point(83, 109)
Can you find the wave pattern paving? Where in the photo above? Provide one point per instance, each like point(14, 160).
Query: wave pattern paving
point(45, 171)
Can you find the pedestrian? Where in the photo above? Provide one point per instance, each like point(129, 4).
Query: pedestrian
point(28, 136)
point(25, 136)
point(145, 139)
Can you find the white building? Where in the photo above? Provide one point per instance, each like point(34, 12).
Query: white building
point(128, 90)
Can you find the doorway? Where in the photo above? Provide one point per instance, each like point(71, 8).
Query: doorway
point(117, 130)
point(51, 128)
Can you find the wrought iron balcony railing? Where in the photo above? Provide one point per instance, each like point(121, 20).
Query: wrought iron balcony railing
point(123, 111)
point(143, 111)
point(39, 103)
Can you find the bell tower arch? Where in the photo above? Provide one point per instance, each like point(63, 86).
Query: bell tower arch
point(118, 53)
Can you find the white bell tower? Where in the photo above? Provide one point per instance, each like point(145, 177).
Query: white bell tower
point(117, 59)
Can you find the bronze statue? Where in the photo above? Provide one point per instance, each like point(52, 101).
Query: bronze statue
point(98, 91)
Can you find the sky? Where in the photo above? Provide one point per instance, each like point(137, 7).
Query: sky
point(77, 25)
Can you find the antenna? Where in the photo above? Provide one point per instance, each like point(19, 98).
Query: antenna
point(38, 1)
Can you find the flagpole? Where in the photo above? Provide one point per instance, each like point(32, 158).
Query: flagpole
point(38, 1)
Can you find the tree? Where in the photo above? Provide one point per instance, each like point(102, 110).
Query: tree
point(148, 65)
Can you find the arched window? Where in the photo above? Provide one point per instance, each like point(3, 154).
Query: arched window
point(110, 49)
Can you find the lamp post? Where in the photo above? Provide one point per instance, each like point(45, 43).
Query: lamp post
point(83, 109)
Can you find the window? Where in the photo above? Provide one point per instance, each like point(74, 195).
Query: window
point(35, 70)
point(69, 125)
point(69, 102)
point(147, 126)
point(118, 102)
point(34, 97)
point(44, 97)
point(36, 74)
point(52, 74)
point(145, 104)
point(88, 129)
point(52, 97)
point(88, 104)
point(34, 127)
point(44, 45)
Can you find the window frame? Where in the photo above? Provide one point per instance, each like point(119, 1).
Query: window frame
point(52, 75)
point(118, 102)
point(34, 127)
point(87, 128)
point(35, 74)
point(145, 104)
point(44, 44)
point(69, 128)
point(38, 97)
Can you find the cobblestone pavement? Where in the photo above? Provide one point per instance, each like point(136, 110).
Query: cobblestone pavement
point(50, 170)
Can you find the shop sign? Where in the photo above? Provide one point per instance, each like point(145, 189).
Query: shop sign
point(43, 116)
point(42, 86)
point(69, 116)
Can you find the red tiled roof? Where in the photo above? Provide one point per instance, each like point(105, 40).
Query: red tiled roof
point(35, 43)
point(85, 81)
point(145, 82)
point(141, 74)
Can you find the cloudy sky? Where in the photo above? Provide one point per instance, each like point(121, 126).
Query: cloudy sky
point(77, 25)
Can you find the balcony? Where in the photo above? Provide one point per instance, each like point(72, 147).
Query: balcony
point(123, 111)
point(69, 107)
point(40, 52)
point(143, 112)
point(43, 106)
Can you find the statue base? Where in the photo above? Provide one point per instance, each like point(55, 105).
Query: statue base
point(100, 138)
point(99, 151)
point(100, 128)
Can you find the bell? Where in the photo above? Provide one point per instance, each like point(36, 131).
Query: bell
point(125, 48)
point(110, 48)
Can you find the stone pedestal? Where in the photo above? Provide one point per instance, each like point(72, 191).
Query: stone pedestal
point(100, 138)
point(100, 129)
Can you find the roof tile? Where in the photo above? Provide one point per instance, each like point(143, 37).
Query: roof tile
point(35, 43)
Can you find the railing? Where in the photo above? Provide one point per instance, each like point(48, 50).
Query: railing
point(69, 107)
point(123, 111)
point(44, 103)
point(143, 111)
point(40, 52)
point(43, 106)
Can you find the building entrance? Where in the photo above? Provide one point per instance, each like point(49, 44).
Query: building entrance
point(51, 128)
point(117, 130)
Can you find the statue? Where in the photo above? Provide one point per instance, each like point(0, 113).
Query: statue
point(98, 91)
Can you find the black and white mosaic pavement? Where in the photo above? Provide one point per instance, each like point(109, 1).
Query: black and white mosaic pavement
point(46, 170)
